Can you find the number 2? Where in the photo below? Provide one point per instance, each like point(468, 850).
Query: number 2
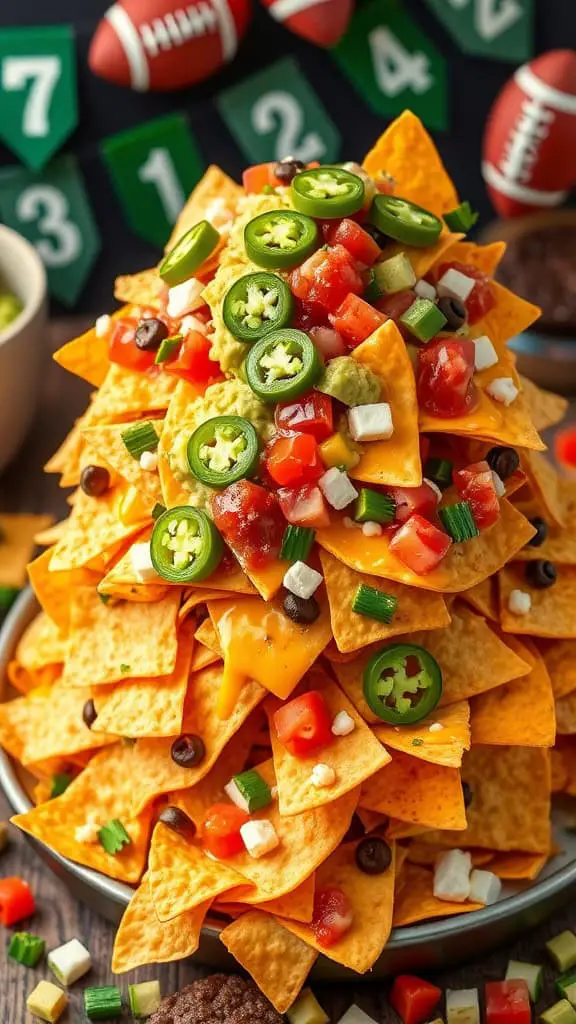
point(281, 110)
point(395, 68)
point(49, 207)
point(43, 72)
point(158, 170)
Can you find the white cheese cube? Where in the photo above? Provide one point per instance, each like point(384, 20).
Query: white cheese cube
point(462, 1006)
point(142, 562)
point(519, 602)
point(356, 1016)
point(343, 724)
point(370, 529)
point(149, 462)
point(425, 290)
point(499, 485)
point(485, 887)
point(502, 389)
point(337, 488)
point(259, 837)
point(192, 323)
point(371, 422)
point(485, 355)
point(102, 325)
point(452, 876)
point(301, 580)
point(323, 776)
point(455, 285)
point(184, 297)
point(87, 833)
point(70, 961)
point(232, 791)
point(435, 727)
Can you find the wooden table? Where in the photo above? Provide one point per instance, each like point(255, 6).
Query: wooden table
point(60, 917)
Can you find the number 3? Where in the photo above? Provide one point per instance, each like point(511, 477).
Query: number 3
point(49, 207)
point(282, 107)
point(44, 73)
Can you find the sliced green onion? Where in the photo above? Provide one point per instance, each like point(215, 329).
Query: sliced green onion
point(458, 521)
point(373, 507)
point(560, 1013)
point(423, 319)
point(462, 218)
point(113, 836)
point(158, 511)
point(297, 543)
point(145, 998)
point(60, 783)
point(374, 604)
point(26, 949)
point(249, 791)
point(440, 472)
point(167, 347)
point(531, 974)
point(7, 597)
point(140, 437)
point(562, 949)
point(103, 1003)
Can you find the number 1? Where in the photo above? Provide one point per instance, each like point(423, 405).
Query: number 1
point(44, 73)
point(158, 170)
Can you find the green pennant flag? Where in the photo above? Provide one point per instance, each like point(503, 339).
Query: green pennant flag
point(497, 29)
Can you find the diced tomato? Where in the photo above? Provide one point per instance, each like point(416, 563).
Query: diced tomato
point(359, 243)
point(308, 315)
point(425, 444)
point(385, 183)
point(508, 1002)
point(445, 383)
point(393, 306)
point(420, 545)
point(355, 319)
point(251, 521)
point(565, 447)
point(422, 501)
point(414, 999)
point(16, 901)
point(304, 506)
point(475, 484)
point(326, 278)
point(482, 298)
point(303, 725)
point(122, 348)
point(192, 361)
point(293, 459)
point(257, 177)
point(220, 830)
point(328, 342)
point(332, 916)
point(311, 414)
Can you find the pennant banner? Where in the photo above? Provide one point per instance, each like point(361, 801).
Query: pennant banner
point(499, 29)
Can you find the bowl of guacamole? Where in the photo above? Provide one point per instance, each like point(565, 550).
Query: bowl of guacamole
point(11, 306)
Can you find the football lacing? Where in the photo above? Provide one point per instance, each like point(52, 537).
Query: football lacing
point(526, 136)
point(177, 27)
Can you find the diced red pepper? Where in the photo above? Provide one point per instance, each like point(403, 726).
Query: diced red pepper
point(565, 447)
point(326, 278)
point(257, 177)
point(303, 725)
point(332, 916)
point(421, 500)
point(508, 1002)
point(122, 348)
point(482, 298)
point(420, 545)
point(445, 378)
point(414, 999)
point(293, 459)
point(304, 506)
point(251, 521)
point(355, 319)
point(359, 243)
point(393, 306)
point(310, 414)
point(221, 830)
point(192, 361)
point(475, 484)
point(16, 901)
point(328, 342)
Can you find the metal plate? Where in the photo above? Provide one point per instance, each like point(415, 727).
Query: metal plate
point(437, 944)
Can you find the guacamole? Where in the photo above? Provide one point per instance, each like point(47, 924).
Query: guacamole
point(10, 308)
point(349, 382)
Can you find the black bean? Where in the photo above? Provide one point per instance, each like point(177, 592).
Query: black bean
point(150, 334)
point(541, 574)
point(504, 461)
point(303, 610)
point(467, 792)
point(89, 713)
point(541, 527)
point(94, 481)
point(287, 169)
point(178, 821)
point(454, 311)
point(188, 751)
point(373, 855)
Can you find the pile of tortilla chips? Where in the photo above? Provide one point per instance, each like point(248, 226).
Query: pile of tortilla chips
point(151, 656)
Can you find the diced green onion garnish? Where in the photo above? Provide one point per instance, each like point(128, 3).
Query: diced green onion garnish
point(60, 783)
point(462, 218)
point(297, 543)
point(140, 437)
point(373, 507)
point(158, 511)
point(395, 274)
point(458, 521)
point(560, 1013)
point(26, 949)
point(423, 319)
point(103, 1003)
point(562, 949)
point(144, 998)
point(167, 347)
point(374, 604)
point(113, 836)
point(7, 597)
point(566, 986)
point(440, 472)
point(373, 291)
point(531, 974)
point(249, 791)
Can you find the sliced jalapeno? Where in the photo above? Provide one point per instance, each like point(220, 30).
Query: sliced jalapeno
point(257, 304)
point(189, 253)
point(404, 221)
point(222, 450)
point(280, 238)
point(185, 546)
point(402, 684)
point(327, 192)
point(282, 366)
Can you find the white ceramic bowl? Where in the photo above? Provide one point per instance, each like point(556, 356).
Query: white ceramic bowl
point(21, 343)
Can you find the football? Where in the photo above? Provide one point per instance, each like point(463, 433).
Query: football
point(160, 45)
point(529, 151)
point(322, 22)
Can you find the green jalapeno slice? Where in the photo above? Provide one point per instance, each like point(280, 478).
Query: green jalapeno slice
point(282, 365)
point(257, 304)
point(402, 684)
point(404, 221)
point(222, 450)
point(185, 546)
point(327, 192)
point(189, 253)
point(280, 238)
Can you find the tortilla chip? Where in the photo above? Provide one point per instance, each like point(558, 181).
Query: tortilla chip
point(278, 961)
point(560, 543)
point(546, 408)
point(559, 771)
point(560, 661)
point(55, 590)
point(518, 866)
point(520, 713)
point(214, 184)
point(87, 356)
point(298, 904)
point(353, 757)
point(42, 643)
point(107, 441)
point(406, 151)
point(180, 416)
point(426, 855)
point(207, 635)
point(415, 791)
point(141, 289)
point(415, 901)
point(143, 939)
point(46, 538)
point(16, 546)
point(566, 715)
point(544, 481)
point(125, 395)
point(446, 746)
point(372, 900)
point(103, 790)
point(509, 316)
point(510, 806)
point(553, 611)
point(483, 598)
point(94, 533)
point(122, 582)
point(423, 259)
point(396, 461)
point(464, 566)
point(203, 657)
point(484, 257)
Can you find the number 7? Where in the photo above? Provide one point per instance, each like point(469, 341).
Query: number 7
point(44, 73)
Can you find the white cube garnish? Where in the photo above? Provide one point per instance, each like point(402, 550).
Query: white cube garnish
point(192, 323)
point(519, 602)
point(485, 887)
point(354, 1015)
point(70, 961)
point(425, 290)
point(452, 876)
point(502, 389)
point(370, 529)
point(337, 488)
point(238, 798)
point(435, 727)
point(322, 776)
point(343, 724)
point(485, 355)
point(300, 579)
point(142, 562)
point(184, 297)
point(102, 325)
point(499, 485)
point(149, 462)
point(462, 1006)
point(371, 422)
point(455, 285)
point(259, 837)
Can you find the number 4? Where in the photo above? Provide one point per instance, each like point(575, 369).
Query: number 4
point(44, 73)
point(395, 68)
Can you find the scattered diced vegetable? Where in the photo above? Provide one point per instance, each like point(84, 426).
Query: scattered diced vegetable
point(26, 949)
point(374, 604)
point(145, 998)
point(508, 1002)
point(69, 962)
point(562, 949)
point(414, 999)
point(462, 1006)
point(566, 986)
point(140, 437)
point(103, 1003)
point(47, 1001)
point(374, 507)
point(16, 901)
point(307, 1010)
point(297, 543)
point(249, 791)
point(530, 973)
point(560, 1013)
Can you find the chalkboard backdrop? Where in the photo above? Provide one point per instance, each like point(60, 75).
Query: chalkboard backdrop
point(105, 109)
